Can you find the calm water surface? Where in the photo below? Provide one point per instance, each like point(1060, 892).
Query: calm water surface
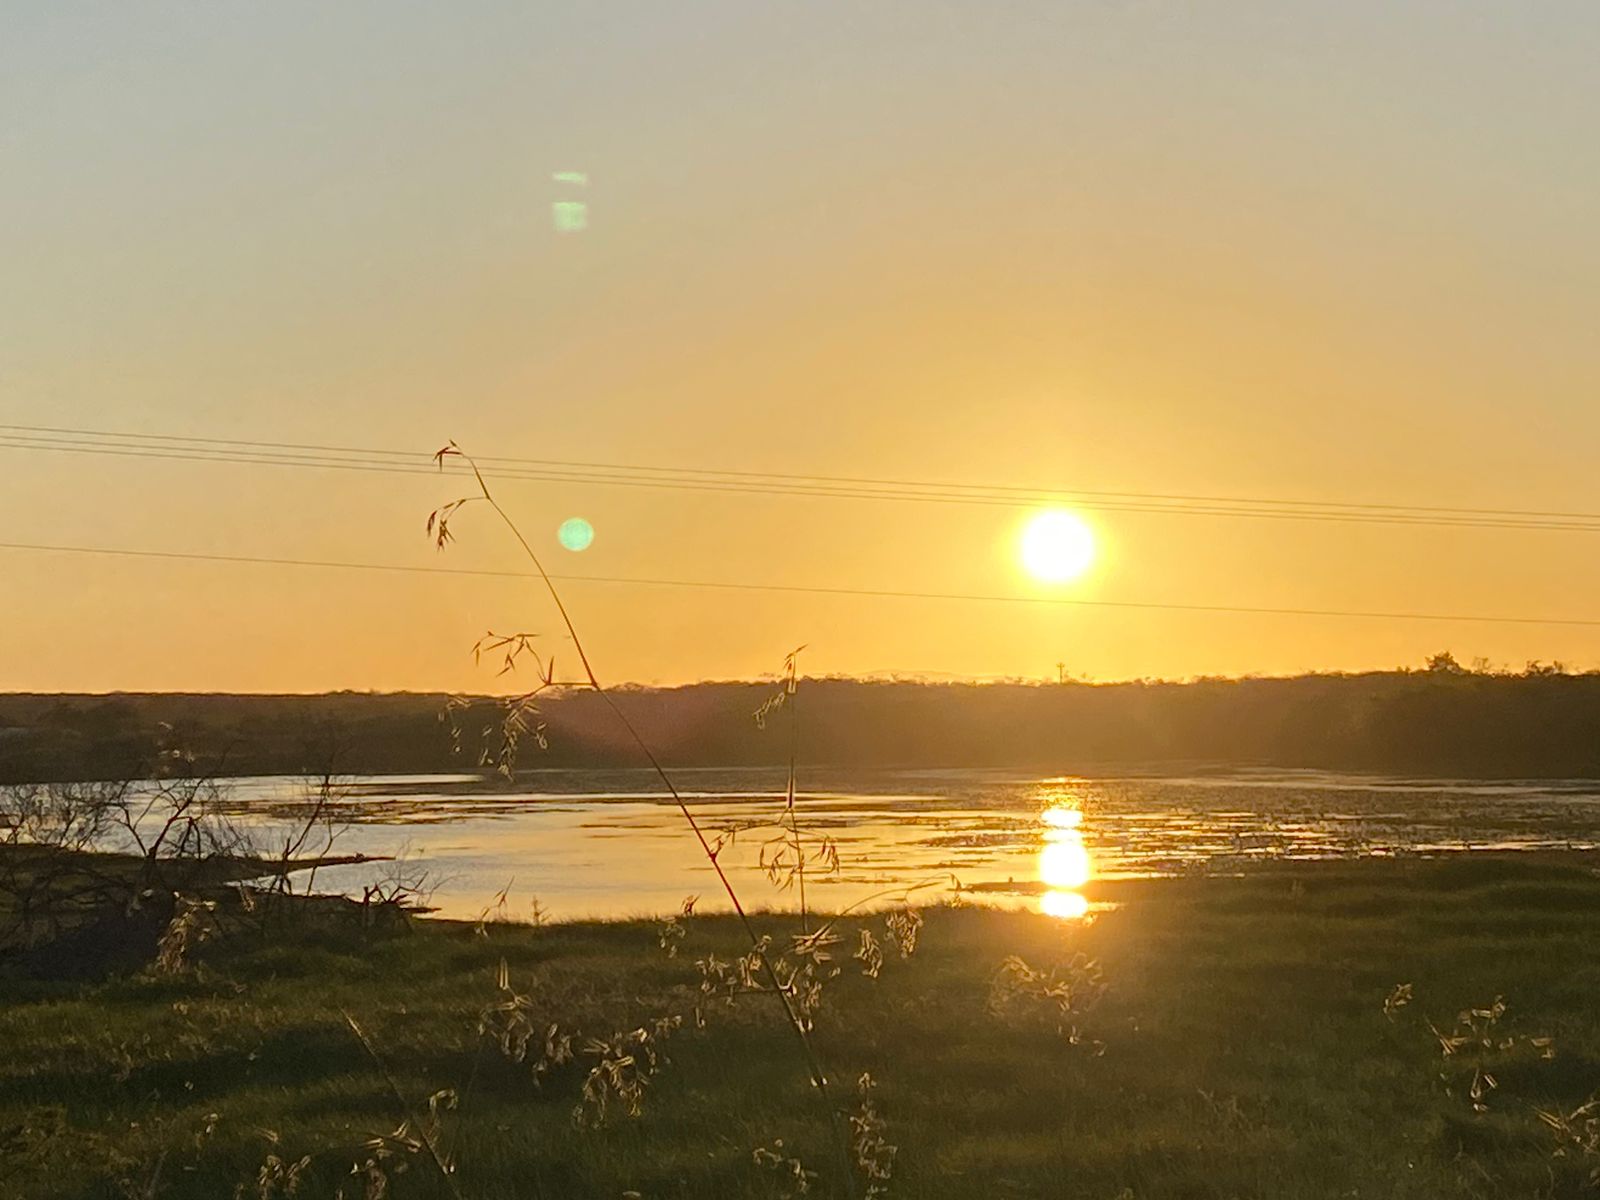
point(612, 843)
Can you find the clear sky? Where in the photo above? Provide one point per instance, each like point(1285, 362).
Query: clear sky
point(1335, 251)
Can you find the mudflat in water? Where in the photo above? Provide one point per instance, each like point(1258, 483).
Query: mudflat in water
point(613, 843)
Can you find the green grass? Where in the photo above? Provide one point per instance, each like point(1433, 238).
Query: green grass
point(1246, 1052)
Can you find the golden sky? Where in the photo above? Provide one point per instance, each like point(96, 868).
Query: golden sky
point(1336, 252)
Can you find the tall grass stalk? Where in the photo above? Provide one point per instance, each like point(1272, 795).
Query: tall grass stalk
point(791, 687)
point(438, 525)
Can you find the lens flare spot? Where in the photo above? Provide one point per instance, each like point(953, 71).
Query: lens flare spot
point(569, 216)
point(575, 534)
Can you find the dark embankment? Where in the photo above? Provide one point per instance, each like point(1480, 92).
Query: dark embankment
point(1439, 722)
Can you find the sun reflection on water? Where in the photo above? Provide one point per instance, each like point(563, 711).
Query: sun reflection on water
point(1064, 863)
point(1069, 906)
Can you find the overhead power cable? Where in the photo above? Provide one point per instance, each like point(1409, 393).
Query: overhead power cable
point(796, 589)
point(348, 458)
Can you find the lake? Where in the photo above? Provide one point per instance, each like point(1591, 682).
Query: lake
point(572, 844)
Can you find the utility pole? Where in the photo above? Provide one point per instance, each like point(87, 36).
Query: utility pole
point(1061, 672)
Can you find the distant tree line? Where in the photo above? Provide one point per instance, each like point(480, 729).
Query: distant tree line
point(1445, 719)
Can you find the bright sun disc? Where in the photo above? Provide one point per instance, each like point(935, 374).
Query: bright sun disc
point(1057, 546)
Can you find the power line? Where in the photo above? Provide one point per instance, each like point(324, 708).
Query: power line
point(384, 466)
point(289, 454)
point(794, 589)
point(812, 484)
point(386, 460)
point(1027, 493)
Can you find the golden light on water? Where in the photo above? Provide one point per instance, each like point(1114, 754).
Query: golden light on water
point(1064, 863)
point(1069, 906)
point(1062, 818)
point(1057, 546)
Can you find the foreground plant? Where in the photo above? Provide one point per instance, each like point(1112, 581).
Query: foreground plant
point(439, 528)
point(524, 1037)
point(624, 1065)
point(874, 1155)
point(786, 862)
point(1577, 1134)
point(795, 987)
point(1477, 1038)
point(1061, 996)
point(789, 1172)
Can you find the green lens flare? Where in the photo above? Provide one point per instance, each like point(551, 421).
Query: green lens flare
point(569, 216)
point(575, 533)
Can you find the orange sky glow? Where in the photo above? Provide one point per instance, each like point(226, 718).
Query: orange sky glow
point(1346, 258)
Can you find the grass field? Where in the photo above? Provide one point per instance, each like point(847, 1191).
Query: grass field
point(1243, 1050)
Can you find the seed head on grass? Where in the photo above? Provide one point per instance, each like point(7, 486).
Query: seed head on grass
point(669, 933)
point(1398, 998)
point(789, 1172)
point(192, 923)
point(904, 925)
point(625, 1063)
point(278, 1179)
point(874, 1155)
point(870, 954)
point(1577, 1133)
point(1062, 996)
point(1479, 1039)
point(522, 1034)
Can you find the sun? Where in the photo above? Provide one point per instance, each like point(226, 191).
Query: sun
point(1057, 546)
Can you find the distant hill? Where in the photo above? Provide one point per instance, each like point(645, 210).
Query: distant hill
point(1442, 721)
